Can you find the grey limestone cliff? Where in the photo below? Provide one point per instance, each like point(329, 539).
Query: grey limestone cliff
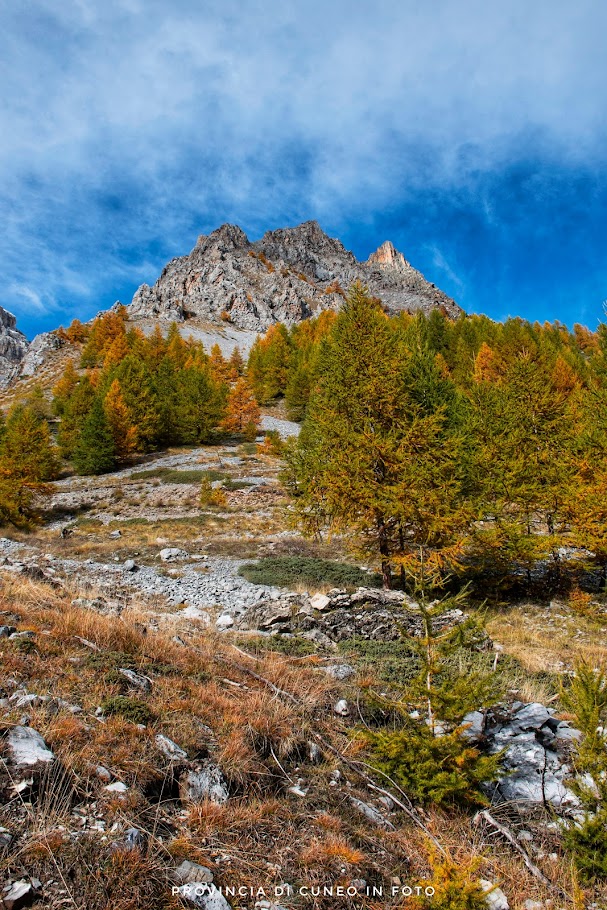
point(288, 275)
point(13, 347)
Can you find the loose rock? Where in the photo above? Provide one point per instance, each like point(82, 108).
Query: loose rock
point(189, 872)
point(168, 554)
point(206, 782)
point(21, 894)
point(26, 748)
point(137, 679)
point(170, 749)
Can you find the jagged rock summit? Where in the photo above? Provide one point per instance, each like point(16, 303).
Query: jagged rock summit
point(288, 275)
point(13, 347)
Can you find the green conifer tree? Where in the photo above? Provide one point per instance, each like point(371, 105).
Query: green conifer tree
point(94, 452)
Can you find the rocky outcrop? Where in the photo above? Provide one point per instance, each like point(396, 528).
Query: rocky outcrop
point(38, 352)
point(13, 347)
point(536, 752)
point(368, 613)
point(288, 275)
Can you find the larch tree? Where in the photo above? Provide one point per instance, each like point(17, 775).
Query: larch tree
point(27, 449)
point(243, 415)
point(28, 460)
point(119, 420)
point(372, 462)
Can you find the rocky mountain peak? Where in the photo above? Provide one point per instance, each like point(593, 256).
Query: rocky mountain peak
point(224, 239)
point(289, 275)
point(13, 347)
point(388, 255)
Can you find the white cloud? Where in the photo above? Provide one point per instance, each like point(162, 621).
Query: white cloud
point(123, 122)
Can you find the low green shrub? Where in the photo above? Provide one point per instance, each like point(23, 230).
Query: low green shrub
point(131, 709)
point(438, 770)
point(391, 661)
point(588, 844)
point(290, 646)
point(286, 571)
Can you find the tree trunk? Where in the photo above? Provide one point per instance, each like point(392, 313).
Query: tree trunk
point(384, 551)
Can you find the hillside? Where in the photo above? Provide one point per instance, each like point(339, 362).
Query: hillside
point(321, 627)
point(228, 289)
point(186, 725)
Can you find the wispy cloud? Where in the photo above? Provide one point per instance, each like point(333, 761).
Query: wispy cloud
point(130, 127)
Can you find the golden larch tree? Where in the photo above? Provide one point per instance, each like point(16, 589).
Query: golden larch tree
point(118, 416)
point(243, 413)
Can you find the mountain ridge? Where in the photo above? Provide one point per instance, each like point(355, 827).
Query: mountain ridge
point(288, 275)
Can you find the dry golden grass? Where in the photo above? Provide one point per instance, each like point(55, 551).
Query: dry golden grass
point(258, 740)
point(550, 639)
point(331, 853)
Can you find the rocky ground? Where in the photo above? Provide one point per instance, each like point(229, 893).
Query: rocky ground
point(168, 725)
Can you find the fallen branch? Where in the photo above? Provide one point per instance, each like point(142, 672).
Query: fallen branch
point(505, 832)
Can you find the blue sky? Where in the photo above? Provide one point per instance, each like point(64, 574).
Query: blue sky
point(471, 134)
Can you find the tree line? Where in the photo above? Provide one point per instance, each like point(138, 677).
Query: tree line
point(129, 393)
point(439, 447)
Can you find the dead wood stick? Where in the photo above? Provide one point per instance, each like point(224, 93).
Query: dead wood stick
point(505, 832)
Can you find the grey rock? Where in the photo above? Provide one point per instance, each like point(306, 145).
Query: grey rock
point(169, 554)
point(114, 535)
point(136, 679)
point(5, 838)
point(130, 565)
point(536, 772)
point(314, 753)
point(495, 897)
point(339, 671)
point(39, 351)
point(6, 631)
point(189, 872)
point(13, 347)
point(26, 748)
point(531, 717)
point(297, 791)
point(225, 621)
point(170, 749)
point(372, 814)
point(103, 774)
point(25, 633)
point(134, 839)
point(341, 708)
point(118, 787)
point(21, 894)
point(320, 602)
point(476, 720)
point(204, 896)
point(205, 782)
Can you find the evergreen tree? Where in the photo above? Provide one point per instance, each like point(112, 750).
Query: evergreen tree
point(137, 386)
point(237, 364)
point(268, 364)
point(94, 452)
point(74, 411)
point(200, 406)
point(220, 369)
point(27, 460)
point(64, 388)
point(372, 461)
